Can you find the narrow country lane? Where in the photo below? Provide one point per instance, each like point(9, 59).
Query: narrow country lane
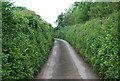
point(65, 63)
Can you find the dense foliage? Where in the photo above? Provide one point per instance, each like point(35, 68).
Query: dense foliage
point(26, 42)
point(82, 12)
point(0, 40)
point(97, 38)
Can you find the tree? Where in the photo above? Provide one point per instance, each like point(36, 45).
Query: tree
point(60, 20)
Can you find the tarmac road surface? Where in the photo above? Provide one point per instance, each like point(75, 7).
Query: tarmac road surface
point(65, 63)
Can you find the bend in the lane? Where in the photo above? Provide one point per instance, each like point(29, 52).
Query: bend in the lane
point(65, 63)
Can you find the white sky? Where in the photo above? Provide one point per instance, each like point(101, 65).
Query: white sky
point(47, 9)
